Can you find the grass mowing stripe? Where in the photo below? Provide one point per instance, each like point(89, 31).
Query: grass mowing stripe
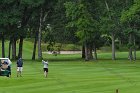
point(74, 77)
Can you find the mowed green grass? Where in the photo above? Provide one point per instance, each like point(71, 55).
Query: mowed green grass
point(75, 77)
point(71, 74)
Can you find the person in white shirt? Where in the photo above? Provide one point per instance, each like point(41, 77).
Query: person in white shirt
point(45, 67)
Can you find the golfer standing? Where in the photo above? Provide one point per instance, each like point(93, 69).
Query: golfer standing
point(19, 67)
point(45, 67)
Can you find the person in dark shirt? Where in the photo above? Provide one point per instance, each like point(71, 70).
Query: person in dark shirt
point(19, 67)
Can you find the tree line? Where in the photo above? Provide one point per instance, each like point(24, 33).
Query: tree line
point(92, 23)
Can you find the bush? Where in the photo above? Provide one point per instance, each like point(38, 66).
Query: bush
point(71, 47)
point(105, 49)
point(122, 48)
point(44, 47)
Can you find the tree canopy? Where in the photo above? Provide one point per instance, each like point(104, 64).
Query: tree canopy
point(90, 23)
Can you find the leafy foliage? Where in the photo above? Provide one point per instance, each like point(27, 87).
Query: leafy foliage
point(81, 19)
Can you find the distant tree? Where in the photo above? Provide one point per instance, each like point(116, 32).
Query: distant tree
point(110, 23)
point(14, 19)
point(130, 19)
point(81, 19)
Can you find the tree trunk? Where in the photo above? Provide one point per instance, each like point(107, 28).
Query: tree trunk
point(3, 46)
point(20, 47)
point(86, 52)
point(90, 51)
point(83, 51)
point(39, 37)
point(113, 35)
point(9, 54)
point(130, 48)
point(134, 49)
point(135, 54)
point(113, 46)
point(14, 49)
point(120, 43)
point(108, 9)
point(35, 42)
point(130, 54)
point(95, 53)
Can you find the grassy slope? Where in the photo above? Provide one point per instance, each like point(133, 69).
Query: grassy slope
point(27, 49)
point(70, 74)
point(75, 77)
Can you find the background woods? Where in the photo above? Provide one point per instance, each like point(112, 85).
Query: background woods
point(90, 24)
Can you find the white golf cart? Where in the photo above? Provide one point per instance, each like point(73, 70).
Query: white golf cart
point(4, 67)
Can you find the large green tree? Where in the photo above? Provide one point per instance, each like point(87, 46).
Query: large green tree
point(14, 19)
point(81, 18)
point(110, 23)
point(130, 19)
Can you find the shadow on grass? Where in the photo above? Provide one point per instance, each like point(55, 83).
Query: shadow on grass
point(77, 58)
point(68, 59)
point(81, 60)
point(65, 60)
